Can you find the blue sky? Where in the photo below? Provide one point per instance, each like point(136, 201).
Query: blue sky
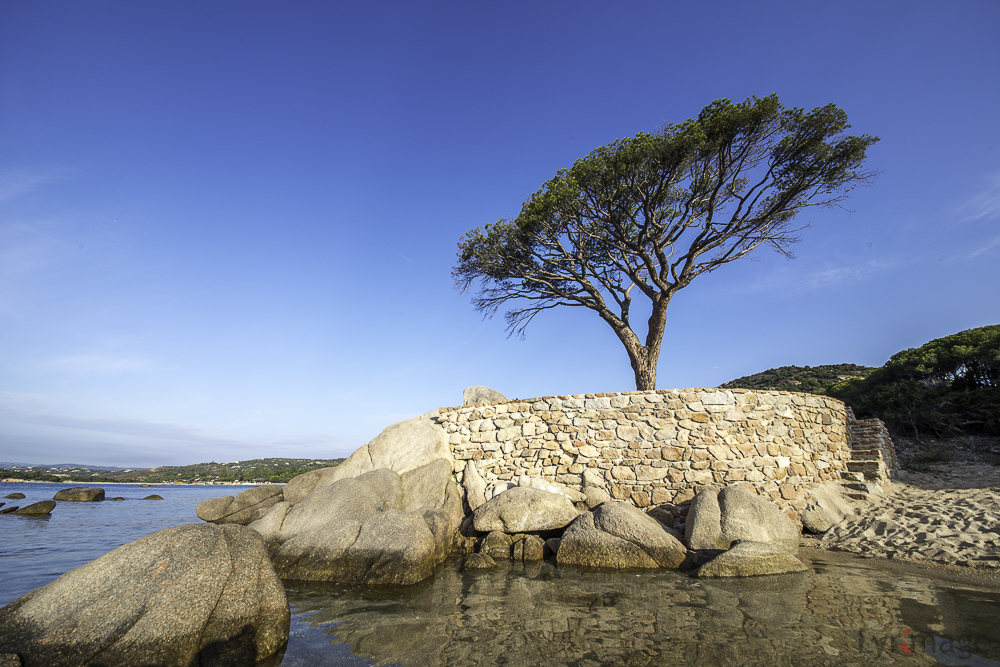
point(227, 229)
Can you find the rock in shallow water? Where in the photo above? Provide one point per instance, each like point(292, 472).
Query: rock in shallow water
point(737, 514)
point(38, 509)
point(748, 559)
point(583, 544)
point(197, 594)
point(747, 516)
point(80, 493)
point(619, 536)
point(378, 528)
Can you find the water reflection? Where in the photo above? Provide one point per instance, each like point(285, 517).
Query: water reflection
point(840, 613)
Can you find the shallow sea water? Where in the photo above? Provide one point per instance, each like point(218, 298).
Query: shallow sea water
point(844, 611)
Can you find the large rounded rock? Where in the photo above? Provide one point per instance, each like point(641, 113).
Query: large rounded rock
point(618, 535)
point(391, 547)
point(474, 485)
point(748, 559)
point(584, 544)
point(525, 510)
point(198, 594)
point(401, 448)
point(38, 509)
point(703, 526)
point(245, 508)
point(626, 521)
point(378, 528)
point(80, 493)
point(746, 516)
point(480, 394)
point(15, 496)
point(826, 506)
point(542, 484)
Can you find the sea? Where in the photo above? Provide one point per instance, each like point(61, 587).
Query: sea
point(844, 611)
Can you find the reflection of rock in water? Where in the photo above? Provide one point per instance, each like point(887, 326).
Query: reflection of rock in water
point(540, 614)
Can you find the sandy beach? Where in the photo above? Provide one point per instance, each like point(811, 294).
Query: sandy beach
point(948, 515)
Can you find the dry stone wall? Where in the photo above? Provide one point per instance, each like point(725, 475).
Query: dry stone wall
point(657, 447)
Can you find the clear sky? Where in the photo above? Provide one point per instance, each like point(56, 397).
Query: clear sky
point(227, 228)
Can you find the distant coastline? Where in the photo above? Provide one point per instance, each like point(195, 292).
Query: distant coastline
point(13, 480)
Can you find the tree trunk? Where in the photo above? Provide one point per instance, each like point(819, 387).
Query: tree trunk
point(644, 358)
point(645, 374)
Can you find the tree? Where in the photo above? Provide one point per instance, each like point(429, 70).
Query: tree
point(647, 215)
point(948, 385)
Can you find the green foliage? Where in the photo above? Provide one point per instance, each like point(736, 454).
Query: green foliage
point(813, 380)
point(32, 475)
point(950, 385)
point(272, 470)
point(646, 215)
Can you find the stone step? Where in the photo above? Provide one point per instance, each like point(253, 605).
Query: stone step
point(869, 488)
point(866, 455)
point(852, 476)
point(864, 491)
point(863, 466)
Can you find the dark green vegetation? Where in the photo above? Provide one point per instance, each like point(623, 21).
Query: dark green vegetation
point(948, 387)
point(647, 215)
point(951, 385)
point(809, 379)
point(274, 471)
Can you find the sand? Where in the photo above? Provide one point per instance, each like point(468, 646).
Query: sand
point(949, 515)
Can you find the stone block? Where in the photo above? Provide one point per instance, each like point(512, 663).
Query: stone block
point(621, 472)
point(648, 473)
point(662, 496)
point(619, 492)
point(640, 498)
point(671, 453)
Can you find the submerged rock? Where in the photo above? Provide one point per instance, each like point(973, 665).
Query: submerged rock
point(15, 496)
point(479, 561)
point(153, 497)
point(80, 493)
point(197, 594)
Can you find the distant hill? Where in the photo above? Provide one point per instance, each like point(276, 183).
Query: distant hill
point(273, 471)
point(809, 379)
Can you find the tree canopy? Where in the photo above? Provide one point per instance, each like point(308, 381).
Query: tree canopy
point(647, 215)
point(949, 385)
point(811, 379)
